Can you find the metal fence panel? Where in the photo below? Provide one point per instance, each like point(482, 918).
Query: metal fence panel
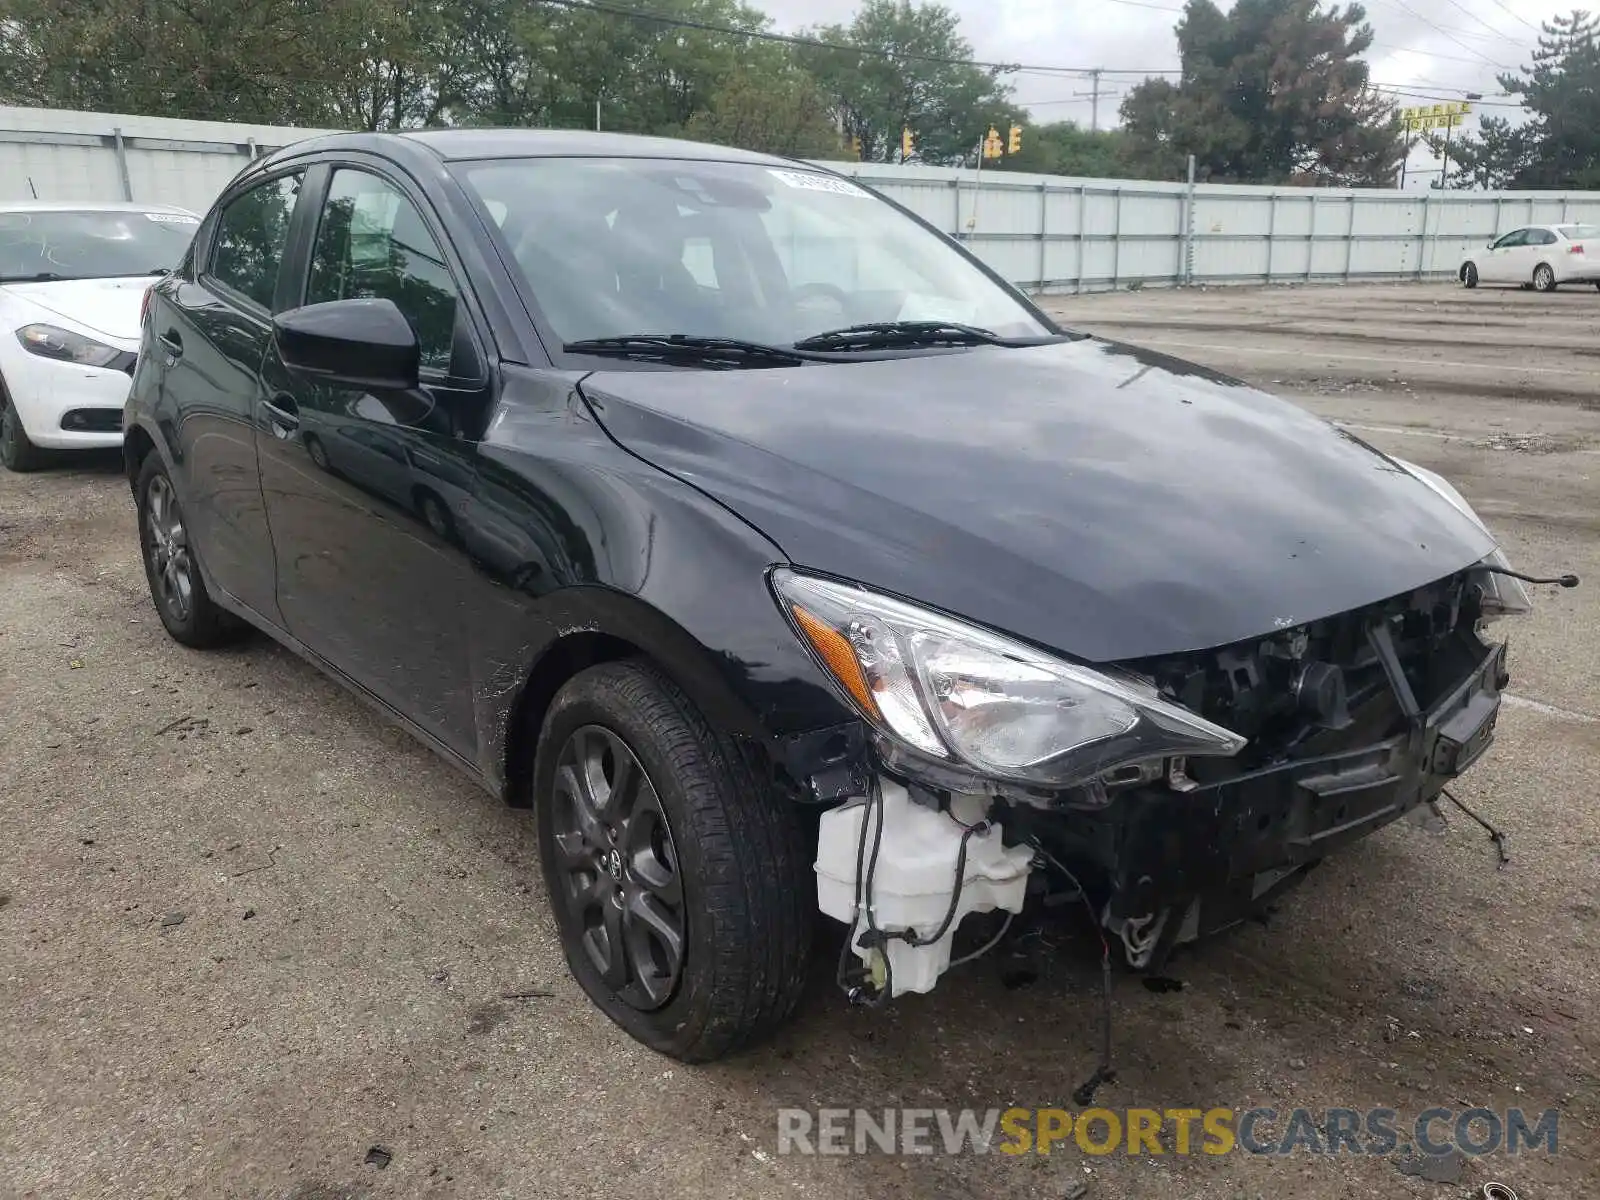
point(1045, 233)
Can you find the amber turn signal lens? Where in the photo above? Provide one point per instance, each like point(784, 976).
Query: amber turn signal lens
point(836, 654)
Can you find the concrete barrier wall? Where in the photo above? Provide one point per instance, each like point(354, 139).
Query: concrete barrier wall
point(1044, 233)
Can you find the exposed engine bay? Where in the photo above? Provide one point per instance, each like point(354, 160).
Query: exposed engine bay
point(1349, 723)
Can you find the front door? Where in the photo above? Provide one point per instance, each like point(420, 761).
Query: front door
point(1502, 262)
point(372, 573)
point(212, 331)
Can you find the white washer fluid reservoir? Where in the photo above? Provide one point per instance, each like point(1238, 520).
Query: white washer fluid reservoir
point(914, 878)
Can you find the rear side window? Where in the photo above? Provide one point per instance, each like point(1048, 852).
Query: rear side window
point(1541, 237)
point(372, 243)
point(252, 233)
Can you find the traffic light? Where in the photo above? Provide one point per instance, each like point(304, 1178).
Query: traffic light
point(908, 143)
point(855, 147)
point(992, 144)
point(1015, 144)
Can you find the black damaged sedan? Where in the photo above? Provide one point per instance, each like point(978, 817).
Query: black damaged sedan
point(783, 559)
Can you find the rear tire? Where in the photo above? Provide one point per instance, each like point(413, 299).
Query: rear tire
point(1544, 278)
point(170, 566)
point(16, 451)
point(1469, 276)
point(722, 858)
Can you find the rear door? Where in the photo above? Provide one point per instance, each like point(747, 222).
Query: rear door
point(373, 573)
point(1499, 261)
point(1541, 247)
point(212, 329)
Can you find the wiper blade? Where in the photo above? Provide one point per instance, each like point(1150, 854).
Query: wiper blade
point(888, 335)
point(41, 277)
point(689, 348)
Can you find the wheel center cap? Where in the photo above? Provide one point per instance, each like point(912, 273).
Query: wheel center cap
point(613, 862)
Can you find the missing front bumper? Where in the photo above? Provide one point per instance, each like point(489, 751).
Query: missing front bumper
point(1182, 866)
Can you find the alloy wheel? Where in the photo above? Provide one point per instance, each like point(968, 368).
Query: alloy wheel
point(1544, 279)
point(618, 866)
point(168, 547)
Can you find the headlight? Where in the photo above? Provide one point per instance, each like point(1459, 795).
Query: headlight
point(1500, 595)
point(49, 342)
point(996, 706)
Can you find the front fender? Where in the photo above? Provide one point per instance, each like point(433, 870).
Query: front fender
point(667, 573)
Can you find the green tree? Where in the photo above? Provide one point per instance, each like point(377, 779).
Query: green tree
point(947, 104)
point(648, 77)
point(1498, 157)
point(398, 64)
point(272, 61)
point(782, 112)
point(1274, 91)
point(1560, 146)
point(1065, 148)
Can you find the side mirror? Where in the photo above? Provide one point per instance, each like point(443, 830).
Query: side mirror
point(365, 344)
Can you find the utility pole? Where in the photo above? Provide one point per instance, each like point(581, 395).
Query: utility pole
point(1094, 98)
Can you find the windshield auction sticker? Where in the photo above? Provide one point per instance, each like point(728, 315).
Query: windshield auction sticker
point(172, 218)
point(817, 183)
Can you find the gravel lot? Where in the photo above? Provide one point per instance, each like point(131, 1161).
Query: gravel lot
point(249, 931)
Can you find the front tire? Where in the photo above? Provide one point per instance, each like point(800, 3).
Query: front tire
point(1544, 278)
point(679, 882)
point(436, 514)
point(16, 451)
point(1469, 276)
point(176, 585)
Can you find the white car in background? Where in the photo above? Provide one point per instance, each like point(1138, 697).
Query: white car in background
point(1542, 257)
point(72, 283)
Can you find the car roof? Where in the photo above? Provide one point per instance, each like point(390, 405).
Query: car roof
point(14, 206)
point(454, 145)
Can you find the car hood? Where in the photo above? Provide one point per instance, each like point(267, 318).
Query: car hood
point(106, 306)
point(1100, 500)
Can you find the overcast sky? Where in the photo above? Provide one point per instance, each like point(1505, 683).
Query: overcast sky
point(1439, 47)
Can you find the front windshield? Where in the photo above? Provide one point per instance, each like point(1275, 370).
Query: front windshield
point(611, 247)
point(56, 244)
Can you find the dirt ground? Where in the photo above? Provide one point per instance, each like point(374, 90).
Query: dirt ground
point(249, 932)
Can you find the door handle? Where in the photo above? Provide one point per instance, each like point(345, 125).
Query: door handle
point(171, 343)
point(284, 414)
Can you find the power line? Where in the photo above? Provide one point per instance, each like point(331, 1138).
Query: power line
point(1055, 72)
point(1064, 100)
point(791, 39)
point(788, 39)
point(1391, 89)
point(1441, 29)
point(1463, 8)
point(1498, 4)
point(1477, 62)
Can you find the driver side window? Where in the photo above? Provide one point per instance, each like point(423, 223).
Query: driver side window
point(1516, 238)
point(373, 243)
